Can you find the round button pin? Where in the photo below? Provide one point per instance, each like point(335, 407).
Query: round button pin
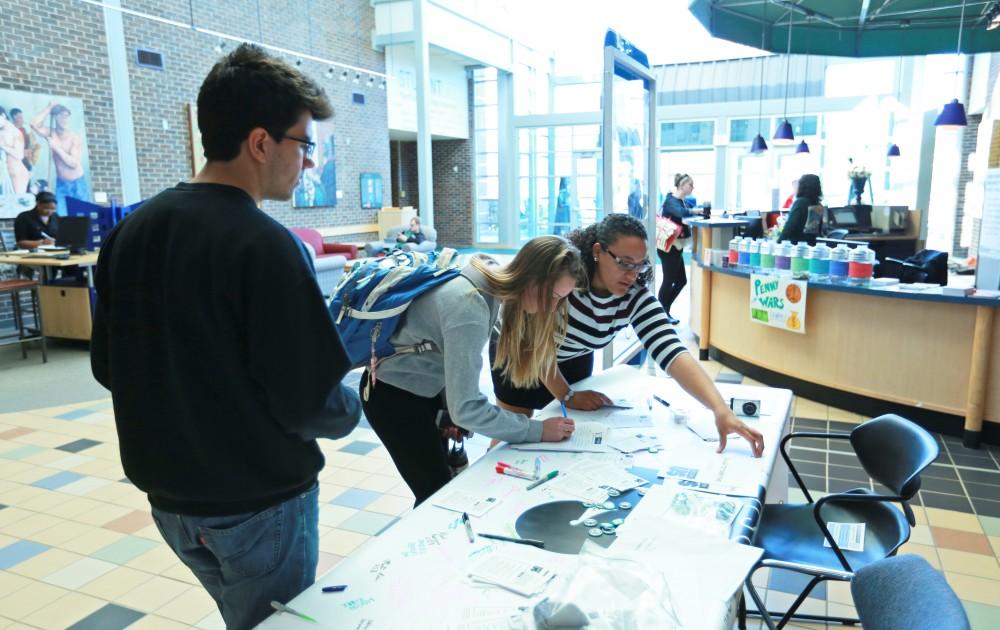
point(613, 493)
point(590, 522)
point(595, 532)
point(624, 505)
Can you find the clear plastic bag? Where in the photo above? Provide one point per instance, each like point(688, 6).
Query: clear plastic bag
point(608, 591)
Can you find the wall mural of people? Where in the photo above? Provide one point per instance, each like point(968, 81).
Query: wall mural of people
point(43, 146)
point(318, 186)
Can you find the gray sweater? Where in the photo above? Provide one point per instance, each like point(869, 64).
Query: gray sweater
point(456, 319)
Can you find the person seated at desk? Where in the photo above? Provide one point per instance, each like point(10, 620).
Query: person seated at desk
point(412, 235)
point(38, 226)
point(616, 295)
point(806, 214)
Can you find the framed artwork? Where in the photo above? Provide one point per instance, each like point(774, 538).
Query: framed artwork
point(31, 124)
point(318, 185)
point(371, 190)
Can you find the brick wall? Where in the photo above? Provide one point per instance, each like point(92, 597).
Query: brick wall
point(963, 226)
point(335, 29)
point(453, 192)
point(59, 47)
point(405, 186)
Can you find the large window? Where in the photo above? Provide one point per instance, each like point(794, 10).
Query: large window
point(559, 174)
point(487, 148)
point(744, 129)
point(687, 134)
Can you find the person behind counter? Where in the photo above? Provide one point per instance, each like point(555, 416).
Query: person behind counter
point(616, 295)
point(38, 226)
point(806, 214)
point(675, 207)
point(404, 394)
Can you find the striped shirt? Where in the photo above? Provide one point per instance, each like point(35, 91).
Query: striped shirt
point(594, 321)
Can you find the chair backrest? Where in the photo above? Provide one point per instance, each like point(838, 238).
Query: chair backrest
point(894, 451)
point(310, 236)
point(905, 592)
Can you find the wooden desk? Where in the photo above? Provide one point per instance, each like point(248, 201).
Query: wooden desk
point(67, 311)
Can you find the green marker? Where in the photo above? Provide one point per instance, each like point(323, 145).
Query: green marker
point(535, 484)
point(291, 611)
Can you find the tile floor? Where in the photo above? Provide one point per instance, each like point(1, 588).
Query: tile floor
point(78, 548)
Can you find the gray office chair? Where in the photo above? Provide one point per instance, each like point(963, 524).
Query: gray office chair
point(906, 592)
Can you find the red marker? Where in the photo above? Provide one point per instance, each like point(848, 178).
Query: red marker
point(513, 472)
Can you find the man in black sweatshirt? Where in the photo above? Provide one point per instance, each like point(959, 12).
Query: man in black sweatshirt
point(221, 356)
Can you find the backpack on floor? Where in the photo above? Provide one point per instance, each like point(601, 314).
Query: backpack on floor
point(370, 300)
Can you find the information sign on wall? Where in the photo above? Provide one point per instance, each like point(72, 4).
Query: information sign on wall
point(778, 301)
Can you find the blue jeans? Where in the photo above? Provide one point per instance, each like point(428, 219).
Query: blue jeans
point(78, 188)
point(246, 560)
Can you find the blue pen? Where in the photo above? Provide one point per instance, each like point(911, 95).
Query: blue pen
point(563, 405)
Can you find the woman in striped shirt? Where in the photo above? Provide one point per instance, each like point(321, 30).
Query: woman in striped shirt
point(615, 257)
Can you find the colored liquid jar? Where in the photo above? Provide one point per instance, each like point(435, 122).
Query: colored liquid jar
point(839, 263)
point(783, 257)
point(734, 255)
point(861, 266)
point(754, 255)
point(819, 263)
point(800, 260)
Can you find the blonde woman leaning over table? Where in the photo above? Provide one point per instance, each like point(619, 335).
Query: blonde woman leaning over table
point(405, 398)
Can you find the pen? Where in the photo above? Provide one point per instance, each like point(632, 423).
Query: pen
point(661, 401)
point(535, 484)
point(513, 472)
point(563, 405)
point(336, 588)
point(291, 611)
point(468, 527)
point(649, 403)
point(521, 541)
point(538, 467)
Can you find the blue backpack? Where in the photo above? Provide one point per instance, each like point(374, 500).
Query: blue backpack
point(370, 300)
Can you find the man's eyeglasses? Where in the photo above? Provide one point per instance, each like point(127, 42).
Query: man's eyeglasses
point(310, 146)
point(639, 267)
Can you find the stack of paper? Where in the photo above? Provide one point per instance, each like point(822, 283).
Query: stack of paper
point(519, 576)
point(588, 437)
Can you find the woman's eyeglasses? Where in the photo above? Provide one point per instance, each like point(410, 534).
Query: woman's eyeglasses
point(638, 267)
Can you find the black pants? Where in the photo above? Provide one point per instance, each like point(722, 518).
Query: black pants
point(406, 424)
point(674, 277)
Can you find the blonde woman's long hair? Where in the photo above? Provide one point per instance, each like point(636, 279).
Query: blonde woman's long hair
point(526, 349)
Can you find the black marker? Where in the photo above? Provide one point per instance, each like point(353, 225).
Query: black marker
point(338, 588)
point(661, 401)
point(521, 541)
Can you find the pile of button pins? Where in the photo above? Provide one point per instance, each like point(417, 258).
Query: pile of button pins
point(596, 529)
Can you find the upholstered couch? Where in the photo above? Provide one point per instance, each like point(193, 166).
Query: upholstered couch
point(377, 247)
point(328, 258)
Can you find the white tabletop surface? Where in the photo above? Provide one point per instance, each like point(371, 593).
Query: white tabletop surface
point(415, 574)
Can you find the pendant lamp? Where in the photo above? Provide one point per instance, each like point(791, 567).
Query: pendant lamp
point(758, 145)
point(953, 114)
point(784, 135)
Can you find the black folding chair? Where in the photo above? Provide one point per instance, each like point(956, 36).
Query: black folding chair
point(893, 451)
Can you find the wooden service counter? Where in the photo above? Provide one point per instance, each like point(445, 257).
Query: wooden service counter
point(931, 358)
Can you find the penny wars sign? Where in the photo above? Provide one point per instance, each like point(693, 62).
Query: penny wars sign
point(779, 302)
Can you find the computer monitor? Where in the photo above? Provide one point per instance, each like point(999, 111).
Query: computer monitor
point(74, 234)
